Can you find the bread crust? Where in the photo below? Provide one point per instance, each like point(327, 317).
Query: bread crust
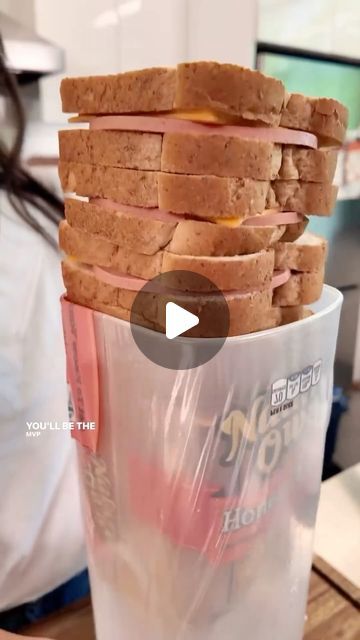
point(124, 149)
point(138, 188)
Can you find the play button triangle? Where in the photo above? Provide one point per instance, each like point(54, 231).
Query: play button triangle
point(178, 320)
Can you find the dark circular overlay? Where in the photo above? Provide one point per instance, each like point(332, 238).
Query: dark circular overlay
point(195, 294)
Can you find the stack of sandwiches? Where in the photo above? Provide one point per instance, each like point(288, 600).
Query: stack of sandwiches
point(206, 168)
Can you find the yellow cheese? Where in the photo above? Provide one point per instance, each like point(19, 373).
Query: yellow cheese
point(201, 115)
point(80, 118)
point(227, 222)
point(196, 115)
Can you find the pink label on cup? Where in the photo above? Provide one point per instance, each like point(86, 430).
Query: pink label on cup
point(82, 371)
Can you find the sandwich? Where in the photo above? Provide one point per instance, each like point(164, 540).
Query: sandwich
point(206, 168)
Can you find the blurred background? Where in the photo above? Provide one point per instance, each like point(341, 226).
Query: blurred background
point(314, 47)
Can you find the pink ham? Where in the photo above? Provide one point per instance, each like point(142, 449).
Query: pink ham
point(131, 283)
point(272, 217)
point(120, 280)
point(141, 212)
point(280, 277)
point(155, 124)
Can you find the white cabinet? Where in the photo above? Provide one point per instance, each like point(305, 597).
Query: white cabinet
point(108, 36)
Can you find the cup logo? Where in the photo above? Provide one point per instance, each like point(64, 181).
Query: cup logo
point(235, 428)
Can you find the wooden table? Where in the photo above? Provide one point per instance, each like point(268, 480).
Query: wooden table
point(333, 613)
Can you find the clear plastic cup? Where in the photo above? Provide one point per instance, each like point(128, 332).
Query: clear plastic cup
point(200, 493)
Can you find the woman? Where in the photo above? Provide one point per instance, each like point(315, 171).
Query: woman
point(41, 540)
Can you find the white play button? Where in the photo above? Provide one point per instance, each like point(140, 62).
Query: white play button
point(178, 320)
point(169, 322)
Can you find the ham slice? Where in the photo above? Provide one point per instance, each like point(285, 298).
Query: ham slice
point(120, 280)
point(155, 124)
point(280, 277)
point(272, 217)
point(131, 283)
point(140, 212)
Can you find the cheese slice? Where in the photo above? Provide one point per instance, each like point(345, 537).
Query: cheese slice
point(209, 116)
point(201, 115)
point(227, 222)
point(81, 118)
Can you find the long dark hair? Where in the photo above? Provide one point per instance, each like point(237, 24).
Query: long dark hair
point(22, 189)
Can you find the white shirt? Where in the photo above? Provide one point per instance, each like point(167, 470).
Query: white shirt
point(41, 537)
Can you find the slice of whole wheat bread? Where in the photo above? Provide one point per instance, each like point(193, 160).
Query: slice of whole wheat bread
point(210, 196)
point(201, 196)
point(190, 237)
point(248, 312)
point(243, 273)
point(226, 88)
point(197, 154)
point(134, 233)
